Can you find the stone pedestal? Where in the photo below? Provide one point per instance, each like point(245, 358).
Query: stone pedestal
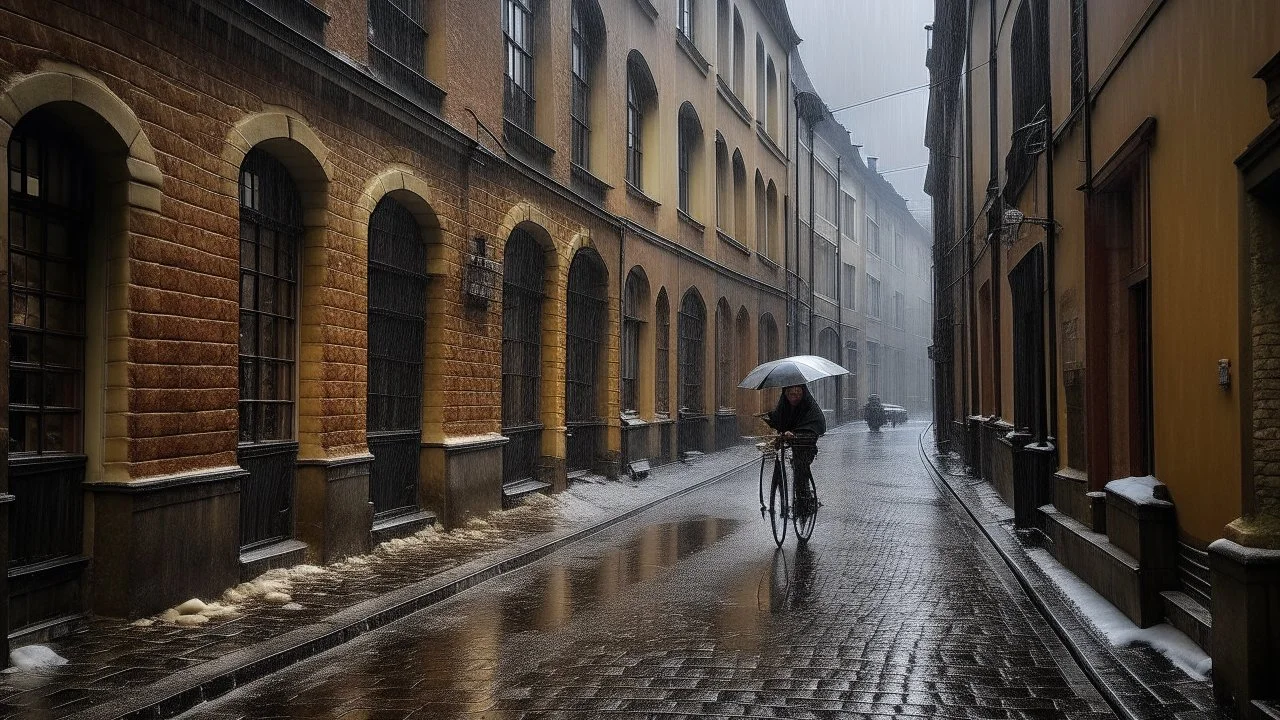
point(1246, 625)
point(334, 514)
point(1032, 481)
point(462, 477)
point(156, 543)
point(1143, 525)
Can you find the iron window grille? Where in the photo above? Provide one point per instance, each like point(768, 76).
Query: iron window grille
point(50, 204)
point(662, 345)
point(631, 323)
point(397, 328)
point(270, 235)
point(724, 358)
point(692, 329)
point(517, 25)
point(585, 322)
point(523, 269)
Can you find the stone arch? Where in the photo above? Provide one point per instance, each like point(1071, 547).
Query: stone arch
point(127, 180)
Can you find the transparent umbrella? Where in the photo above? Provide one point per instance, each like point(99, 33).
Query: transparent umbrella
point(795, 370)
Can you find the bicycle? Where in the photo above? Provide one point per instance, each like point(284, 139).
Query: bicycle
point(779, 508)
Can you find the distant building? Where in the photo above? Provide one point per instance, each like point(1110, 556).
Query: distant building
point(860, 279)
point(1105, 204)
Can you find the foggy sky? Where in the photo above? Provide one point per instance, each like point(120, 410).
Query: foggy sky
point(856, 50)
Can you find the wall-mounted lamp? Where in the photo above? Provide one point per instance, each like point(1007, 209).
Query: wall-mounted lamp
point(1013, 221)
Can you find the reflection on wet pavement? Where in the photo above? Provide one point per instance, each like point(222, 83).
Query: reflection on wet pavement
point(690, 611)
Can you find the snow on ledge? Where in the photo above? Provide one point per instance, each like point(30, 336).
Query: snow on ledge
point(1137, 490)
point(1119, 630)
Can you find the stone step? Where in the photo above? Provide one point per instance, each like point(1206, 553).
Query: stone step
point(513, 493)
point(1185, 613)
point(1267, 708)
point(401, 525)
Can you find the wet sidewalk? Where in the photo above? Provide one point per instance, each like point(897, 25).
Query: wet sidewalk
point(1137, 680)
point(157, 668)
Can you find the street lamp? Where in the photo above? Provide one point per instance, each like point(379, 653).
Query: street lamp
point(1013, 221)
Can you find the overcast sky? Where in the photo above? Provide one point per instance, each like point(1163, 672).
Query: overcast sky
point(856, 50)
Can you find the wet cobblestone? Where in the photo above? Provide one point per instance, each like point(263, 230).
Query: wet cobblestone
point(899, 607)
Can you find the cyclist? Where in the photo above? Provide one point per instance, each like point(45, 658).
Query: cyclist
point(801, 422)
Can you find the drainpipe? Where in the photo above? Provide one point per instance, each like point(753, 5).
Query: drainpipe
point(998, 210)
point(1050, 427)
point(973, 403)
point(792, 342)
point(812, 153)
point(840, 380)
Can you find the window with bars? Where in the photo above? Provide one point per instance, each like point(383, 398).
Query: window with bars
point(692, 330)
point(662, 344)
point(517, 25)
point(49, 206)
point(397, 34)
point(270, 238)
point(724, 357)
point(642, 95)
point(632, 307)
point(522, 277)
point(397, 314)
point(1029, 51)
point(684, 18)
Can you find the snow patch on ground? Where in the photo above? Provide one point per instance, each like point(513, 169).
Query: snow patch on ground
point(1119, 629)
point(35, 657)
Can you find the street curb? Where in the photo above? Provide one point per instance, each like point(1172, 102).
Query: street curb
point(187, 689)
point(1093, 660)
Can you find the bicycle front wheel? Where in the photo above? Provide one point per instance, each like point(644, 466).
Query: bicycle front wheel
point(804, 523)
point(779, 509)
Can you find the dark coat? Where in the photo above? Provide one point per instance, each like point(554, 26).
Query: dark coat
point(805, 418)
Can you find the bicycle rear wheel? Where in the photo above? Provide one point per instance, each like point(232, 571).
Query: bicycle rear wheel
point(804, 523)
point(779, 509)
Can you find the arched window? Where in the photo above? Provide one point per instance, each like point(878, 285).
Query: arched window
point(761, 99)
point(772, 221)
point(762, 217)
point(724, 196)
point(741, 205)
point(739, 66)
point(767, 341)
point(522, 277)
point(634, 299)
point(690, 157)
point(662, 353)
point(397, 327)
point(724, 356)
point(585, 322)
point(772, 99)
point(270, 248)
point(587, 38)
point(642, 103)
point(724, 48)
point(517, 27)
point(691, 354)
point(50, 205)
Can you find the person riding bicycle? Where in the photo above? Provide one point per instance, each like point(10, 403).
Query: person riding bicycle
point(801, 422)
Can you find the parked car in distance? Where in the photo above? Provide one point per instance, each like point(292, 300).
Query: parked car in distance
point(895, 414)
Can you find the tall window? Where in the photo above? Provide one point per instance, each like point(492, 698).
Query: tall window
point(762, 217)
point(898, 244)
point(899, 309)
point(771, 99)
point(397, 35)
point(850, 286)
point(724, 356)
point(270, 235)
point(873, 236)
point(724, 198)
point(632, 309)
point(690, 144)
point(824, 280)
point(761, 99)
point(873, 368)
point(642, 98)
point(684, 18)
point(1079, 80)
point(1029, 49)
point(873, 297)
point(692, 329)
point(848, 217)
point(522, 277)
point(517, 25)
point(49, 206)
point(578, 108)
point(662, 354)
point(739, 53)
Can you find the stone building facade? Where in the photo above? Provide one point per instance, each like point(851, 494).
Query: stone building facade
point(287, 278)
point(861, 286)
point(1104, 207)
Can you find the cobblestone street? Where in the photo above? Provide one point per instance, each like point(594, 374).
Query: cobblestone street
point(898, 607)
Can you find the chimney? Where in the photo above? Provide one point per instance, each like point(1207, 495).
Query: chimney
point(871, 163)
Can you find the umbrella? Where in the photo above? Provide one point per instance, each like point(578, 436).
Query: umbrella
point(795, 370)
